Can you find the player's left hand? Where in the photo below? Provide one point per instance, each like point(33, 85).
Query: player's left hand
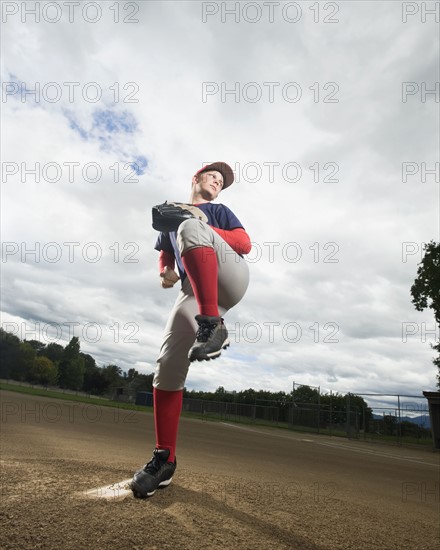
point(168, 278)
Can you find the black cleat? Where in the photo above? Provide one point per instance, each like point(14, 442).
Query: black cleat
point(211, 338)
point(155, 474)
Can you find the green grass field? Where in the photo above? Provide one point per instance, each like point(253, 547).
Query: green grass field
point(71, 397)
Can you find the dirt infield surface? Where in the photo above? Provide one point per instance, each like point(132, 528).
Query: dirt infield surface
point(236, 487)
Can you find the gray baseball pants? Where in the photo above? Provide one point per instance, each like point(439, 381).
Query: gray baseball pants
point(180, 331)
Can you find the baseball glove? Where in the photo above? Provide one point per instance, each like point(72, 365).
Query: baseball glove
point(168, 216)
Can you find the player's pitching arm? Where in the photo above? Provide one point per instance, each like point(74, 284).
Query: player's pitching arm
point(167, 274)
point(237, 239)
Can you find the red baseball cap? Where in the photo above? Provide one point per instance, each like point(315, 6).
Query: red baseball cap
point(224, 169)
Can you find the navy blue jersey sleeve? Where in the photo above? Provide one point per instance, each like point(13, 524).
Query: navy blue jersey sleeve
point(164, 243)
point(220, 216)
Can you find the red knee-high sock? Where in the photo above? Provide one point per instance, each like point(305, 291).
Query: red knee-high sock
point(202, 270)
point(167, 408)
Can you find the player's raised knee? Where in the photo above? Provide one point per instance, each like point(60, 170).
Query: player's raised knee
point(193, 233)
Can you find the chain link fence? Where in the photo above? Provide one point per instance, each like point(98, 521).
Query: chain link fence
point(236, 412)
point(399, 418)
point(389, 418)
point(371, 417)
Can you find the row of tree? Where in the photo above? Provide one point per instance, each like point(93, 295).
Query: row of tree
point(66, 367)
point(314, 407)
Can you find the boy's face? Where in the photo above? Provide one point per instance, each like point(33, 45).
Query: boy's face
point(208, 184)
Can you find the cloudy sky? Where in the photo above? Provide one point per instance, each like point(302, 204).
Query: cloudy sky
point(329, 115)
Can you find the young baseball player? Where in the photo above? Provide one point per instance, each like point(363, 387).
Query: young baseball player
point(214, 277)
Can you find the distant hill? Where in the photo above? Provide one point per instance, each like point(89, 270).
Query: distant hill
point(422, 421)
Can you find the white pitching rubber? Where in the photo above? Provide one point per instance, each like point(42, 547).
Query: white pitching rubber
point(114, 491)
